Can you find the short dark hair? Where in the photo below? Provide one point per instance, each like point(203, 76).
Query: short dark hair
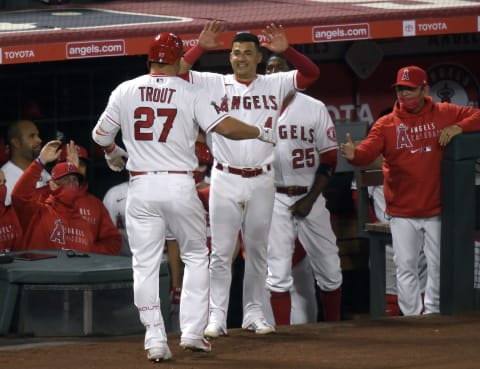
point(14, 131)
point(247, 37)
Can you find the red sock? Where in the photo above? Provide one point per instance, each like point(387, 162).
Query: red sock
point(391, 306)
point(281, 306)
point(331, 301)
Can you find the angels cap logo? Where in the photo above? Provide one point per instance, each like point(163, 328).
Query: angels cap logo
point(411, 76)
point(454, 83)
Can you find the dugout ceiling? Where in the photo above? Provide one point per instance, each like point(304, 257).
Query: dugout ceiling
point(89, 29)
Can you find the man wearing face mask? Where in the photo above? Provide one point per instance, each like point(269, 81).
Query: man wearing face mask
point(412, 140)
point(108, 239)
point(58, 222)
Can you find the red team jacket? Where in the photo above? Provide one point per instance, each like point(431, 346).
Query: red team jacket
point(412, 154)
point(107, 238)
point(10, 231)
point(47, 223)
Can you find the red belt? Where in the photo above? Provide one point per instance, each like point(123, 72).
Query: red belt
point(133, 173)
point(293, 190)
point(244, 172)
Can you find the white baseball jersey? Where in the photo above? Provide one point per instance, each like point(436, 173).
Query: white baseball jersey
point(115, 201)
point(13, 173)
point(159, 118)
point(238, 203)
point(160, 109)
point(305, 129)
point(258, 102)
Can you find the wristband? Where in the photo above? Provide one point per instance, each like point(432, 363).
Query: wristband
point(192, 55)
point(109, 149)
point(39, 161)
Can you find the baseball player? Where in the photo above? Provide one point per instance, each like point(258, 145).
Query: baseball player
point(159, 115)
point(24, 142)
point(305, 158)
point(412, 140)
point(115, 202)
point(241, 193)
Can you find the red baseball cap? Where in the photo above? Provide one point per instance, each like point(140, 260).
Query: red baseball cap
point(82, 153)
point(64, 169)
point(411, 76)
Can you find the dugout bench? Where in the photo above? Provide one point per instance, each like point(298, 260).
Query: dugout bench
point(72, 295)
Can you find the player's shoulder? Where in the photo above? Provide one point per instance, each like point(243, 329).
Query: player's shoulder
point(10, 169)
point(280, 76)
point(307, 99)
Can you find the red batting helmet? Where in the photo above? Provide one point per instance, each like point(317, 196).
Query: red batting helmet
point(203, 153)
point(166, 48)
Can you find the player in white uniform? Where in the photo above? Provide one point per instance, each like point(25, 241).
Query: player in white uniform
point(242, 190)
point(24, 141)
point(159, 115)
point(305, 158)
point(115, 201)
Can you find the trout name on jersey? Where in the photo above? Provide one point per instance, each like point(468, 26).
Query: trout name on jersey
point(296, 132)
point(61, 234)
point(267, 102)
point(162, 95)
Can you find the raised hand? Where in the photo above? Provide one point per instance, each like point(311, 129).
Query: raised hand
point(208, 37)
point(50, 152)
point(348, 148)
point(277, 40)
point(72, 153)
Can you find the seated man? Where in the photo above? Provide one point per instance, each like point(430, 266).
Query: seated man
point(54, 221)
point(108, 239)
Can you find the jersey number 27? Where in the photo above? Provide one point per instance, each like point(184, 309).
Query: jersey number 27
point(145, 117)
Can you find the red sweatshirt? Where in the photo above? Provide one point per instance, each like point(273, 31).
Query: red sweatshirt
point(409, 144)
point(47, 223)
point(10, 230)
point(108, 239)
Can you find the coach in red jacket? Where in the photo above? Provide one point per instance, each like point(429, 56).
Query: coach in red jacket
point(412, 140)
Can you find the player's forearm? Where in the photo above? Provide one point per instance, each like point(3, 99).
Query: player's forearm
point(104, 134)
point(307, 71)
point(236, 130)
point(190, 58)
point(24, 191)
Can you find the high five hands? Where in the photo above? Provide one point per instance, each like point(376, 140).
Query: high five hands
point(208, 37)
point(276, 39)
